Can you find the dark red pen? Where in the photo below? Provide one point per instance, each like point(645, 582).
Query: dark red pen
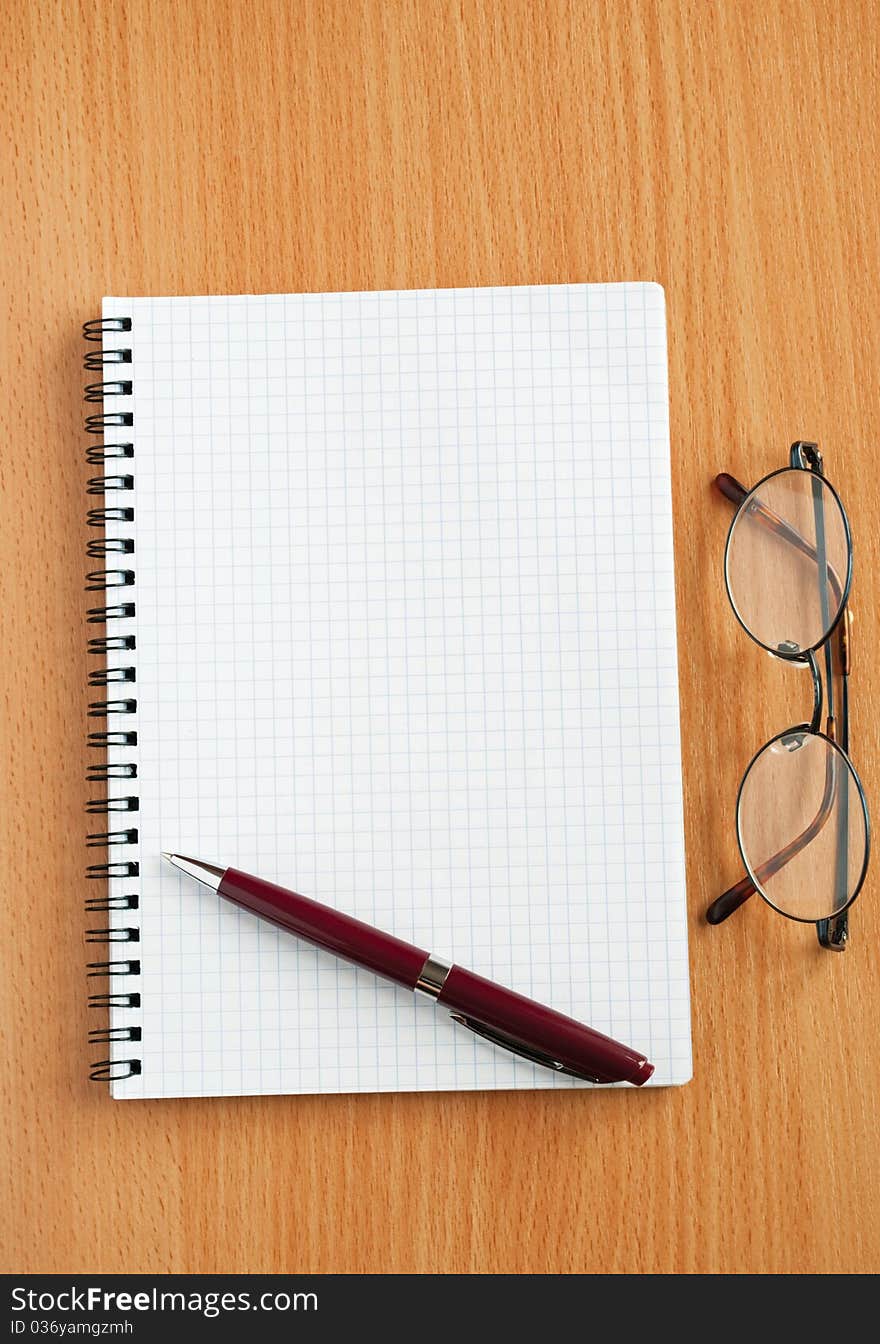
point(506, 1019)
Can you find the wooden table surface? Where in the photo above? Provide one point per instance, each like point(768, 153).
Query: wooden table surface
point(728, 150)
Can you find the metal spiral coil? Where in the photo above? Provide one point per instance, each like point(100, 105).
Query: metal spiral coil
point(115, 1000)
point(102, 806)
point(119, 612)
point(122, 868)
point(111, 643)
point(97, 422)
point(108, 970)
point(98, 327)
point(97, 903)
point(106, 676)
point(130, 935)
point(100, 391)
point(113, 770)
point(104, 839)
point(100, 579)
point(96, 360)
point(109, 1070)
point(97, 453)
point(100, 485)
point(99, 546)
point(98, 517)
point(111, 448)
point(99, 709)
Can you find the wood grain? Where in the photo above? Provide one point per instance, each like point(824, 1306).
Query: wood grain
point(728, 150)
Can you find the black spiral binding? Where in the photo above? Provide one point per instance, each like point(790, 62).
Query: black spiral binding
point(114, 969)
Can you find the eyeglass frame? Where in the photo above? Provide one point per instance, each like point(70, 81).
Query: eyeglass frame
point(833, 931)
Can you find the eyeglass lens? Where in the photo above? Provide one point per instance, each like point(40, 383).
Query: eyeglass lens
point(787, 561)
point(802, 826)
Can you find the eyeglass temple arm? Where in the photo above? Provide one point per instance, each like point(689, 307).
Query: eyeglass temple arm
point(833, 932)
point(730, 488)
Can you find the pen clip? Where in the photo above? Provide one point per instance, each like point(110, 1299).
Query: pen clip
point(517, 1048)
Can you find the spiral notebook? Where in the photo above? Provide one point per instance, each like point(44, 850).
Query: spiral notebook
point(387, 600)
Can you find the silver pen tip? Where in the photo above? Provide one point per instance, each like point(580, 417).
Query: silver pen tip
point(209, 873)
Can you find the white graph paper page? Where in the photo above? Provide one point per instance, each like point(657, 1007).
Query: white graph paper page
point(405, 636)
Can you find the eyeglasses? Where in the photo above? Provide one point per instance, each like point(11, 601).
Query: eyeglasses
point(801, 815)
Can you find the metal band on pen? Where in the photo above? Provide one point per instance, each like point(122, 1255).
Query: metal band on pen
point(432, 977)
